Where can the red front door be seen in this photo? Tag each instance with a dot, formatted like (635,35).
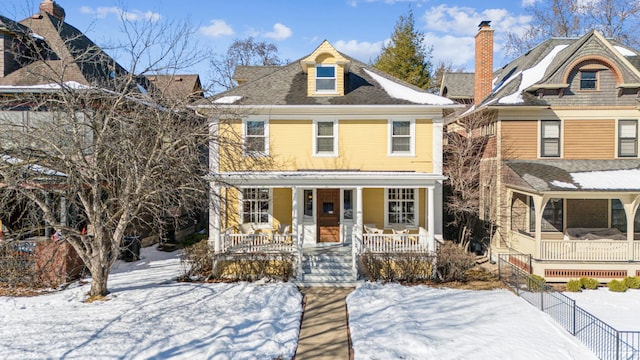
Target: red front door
(328,210)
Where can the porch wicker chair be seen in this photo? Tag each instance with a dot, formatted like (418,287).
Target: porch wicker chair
(372,229)
(247,228)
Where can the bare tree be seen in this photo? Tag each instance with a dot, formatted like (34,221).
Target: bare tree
(245,52)
(96,162)
(465,143)
(616,19)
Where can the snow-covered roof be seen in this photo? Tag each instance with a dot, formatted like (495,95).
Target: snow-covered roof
(403,92)
(32,167)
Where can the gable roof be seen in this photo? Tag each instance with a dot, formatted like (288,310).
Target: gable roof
(364,85)
(457,85)
(545,66)
(71,57)
(178,86)
(244,73)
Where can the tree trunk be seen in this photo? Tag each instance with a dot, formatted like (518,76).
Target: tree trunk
(99,276)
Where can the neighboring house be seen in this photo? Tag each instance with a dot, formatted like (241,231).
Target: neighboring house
(561,174)
(458,86)
(40,55)
(346,146)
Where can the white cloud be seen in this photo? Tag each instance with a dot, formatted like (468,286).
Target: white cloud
(102,12)
(457,51)
(354,3)
(217,28)
(280,32)
(525,3)
(363,51)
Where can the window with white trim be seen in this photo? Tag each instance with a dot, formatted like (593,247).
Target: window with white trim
(255,205)
(401,137)
(402,207)
(256,137)
(326,78)
(588,80)
(550,138)
(628,138)
(325,138)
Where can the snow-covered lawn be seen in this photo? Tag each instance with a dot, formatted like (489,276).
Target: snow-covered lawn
(419,322)
(619,310)
(149,315)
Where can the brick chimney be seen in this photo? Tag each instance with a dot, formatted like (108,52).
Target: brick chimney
(53,9)
(484,62)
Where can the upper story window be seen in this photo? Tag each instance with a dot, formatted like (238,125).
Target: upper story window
(255,205)
(256,137)
(326,135)
(628,138)
(401,137)
(588,80)
(402,207)
(550,138)
(325,78)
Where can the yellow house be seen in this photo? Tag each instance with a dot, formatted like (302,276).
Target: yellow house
(338,151)
(561,178)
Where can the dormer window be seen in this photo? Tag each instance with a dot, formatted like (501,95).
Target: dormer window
(588,80)
(325,78)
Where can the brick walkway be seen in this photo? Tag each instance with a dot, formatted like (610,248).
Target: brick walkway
(323,334)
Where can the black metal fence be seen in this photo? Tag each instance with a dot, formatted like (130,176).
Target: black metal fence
(604,340)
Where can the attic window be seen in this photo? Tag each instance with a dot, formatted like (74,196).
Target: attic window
(588,80)
(325,78)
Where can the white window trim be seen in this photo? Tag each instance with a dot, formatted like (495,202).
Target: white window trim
(269,224)
(416,206)
(335,151)
(561,140)
(335,78)
(266,137)
(306,219)
(617,145)
(412,139)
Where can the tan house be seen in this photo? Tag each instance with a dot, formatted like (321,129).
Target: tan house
(354,163)
(561,172)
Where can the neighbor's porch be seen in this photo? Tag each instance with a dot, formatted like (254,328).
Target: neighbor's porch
(575,234)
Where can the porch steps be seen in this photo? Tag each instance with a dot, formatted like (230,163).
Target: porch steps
(327,266)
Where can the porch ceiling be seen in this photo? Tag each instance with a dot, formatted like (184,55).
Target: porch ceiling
(328,179)
(541,176)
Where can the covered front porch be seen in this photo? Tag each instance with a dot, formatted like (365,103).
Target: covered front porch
(284,211)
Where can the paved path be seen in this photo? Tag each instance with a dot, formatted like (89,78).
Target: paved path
(323,334)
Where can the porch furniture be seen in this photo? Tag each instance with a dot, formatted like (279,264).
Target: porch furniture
(247,228)
(594,234)
(372,229)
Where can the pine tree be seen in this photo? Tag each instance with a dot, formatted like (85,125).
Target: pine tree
(406,56)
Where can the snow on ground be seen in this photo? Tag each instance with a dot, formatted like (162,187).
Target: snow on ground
(149,315)
(399,322)
(619,310)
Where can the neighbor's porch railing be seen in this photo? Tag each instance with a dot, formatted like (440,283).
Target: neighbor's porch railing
(585,250)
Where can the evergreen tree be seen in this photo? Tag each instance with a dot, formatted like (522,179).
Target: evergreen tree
(406,57)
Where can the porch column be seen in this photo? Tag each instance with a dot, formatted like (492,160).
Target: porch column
(359,216)
(539,203)
(294,213)
(214,218)
(430,220)
(630,213)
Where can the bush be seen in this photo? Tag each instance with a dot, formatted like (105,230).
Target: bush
(536,283)
(453,261)
(617,286)
(632,282)
(589,283)
(405,267)
(196,260)
(574,285)
(254,266)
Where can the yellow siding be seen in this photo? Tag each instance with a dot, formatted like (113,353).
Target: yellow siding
(281,207)
(520,139)
(373,206)
(589,139)
(325,54)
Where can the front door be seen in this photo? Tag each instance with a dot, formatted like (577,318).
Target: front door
(328,215)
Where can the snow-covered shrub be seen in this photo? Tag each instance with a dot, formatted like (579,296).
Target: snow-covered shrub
(617,286)
(574,285)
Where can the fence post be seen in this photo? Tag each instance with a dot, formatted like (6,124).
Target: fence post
(617,344)
(574,318)
(530,265)
(541,298)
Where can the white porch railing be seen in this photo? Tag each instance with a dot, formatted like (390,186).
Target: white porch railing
(636,250)
(394,243)
(259,243)
(585,250)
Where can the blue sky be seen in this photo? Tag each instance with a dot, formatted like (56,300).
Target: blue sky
(358,28)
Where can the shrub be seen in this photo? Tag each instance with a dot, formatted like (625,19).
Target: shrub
(574,285)
(254,266)
(589,283)
(405,267)
(196,260)
(453,261)
(632,282)
(617,286)
(536,283)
